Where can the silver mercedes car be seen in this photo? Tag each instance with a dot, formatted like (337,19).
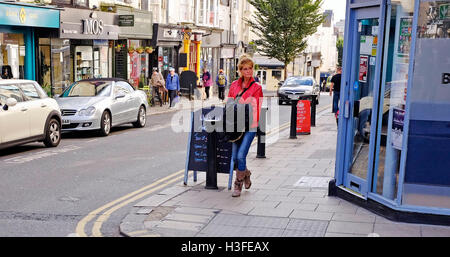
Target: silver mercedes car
(100,104)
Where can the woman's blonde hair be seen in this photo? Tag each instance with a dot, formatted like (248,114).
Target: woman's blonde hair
(245,60)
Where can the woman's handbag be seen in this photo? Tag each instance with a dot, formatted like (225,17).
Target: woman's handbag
(233,128)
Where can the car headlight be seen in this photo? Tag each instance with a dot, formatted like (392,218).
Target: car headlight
(87,112)
(307,92)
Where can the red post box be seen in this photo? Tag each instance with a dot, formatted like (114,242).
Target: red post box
(303,117)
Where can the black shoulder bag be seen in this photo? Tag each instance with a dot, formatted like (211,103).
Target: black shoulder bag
(239,118)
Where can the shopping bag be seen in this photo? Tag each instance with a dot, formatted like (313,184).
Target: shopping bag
(176,99)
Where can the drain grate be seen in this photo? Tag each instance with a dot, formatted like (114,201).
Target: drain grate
(316,182)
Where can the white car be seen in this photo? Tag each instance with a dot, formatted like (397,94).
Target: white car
(27,114)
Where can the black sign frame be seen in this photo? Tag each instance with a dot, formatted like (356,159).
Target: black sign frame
(196,159)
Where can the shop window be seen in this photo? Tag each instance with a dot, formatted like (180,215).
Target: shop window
(138,64)
(83,62)
(427,180)
(392,106)
(45,79)
(276,74)
(12,55)
(61,65)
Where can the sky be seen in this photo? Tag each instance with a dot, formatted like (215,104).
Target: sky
(338,7)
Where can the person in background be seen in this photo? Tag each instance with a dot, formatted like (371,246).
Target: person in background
(173,85)
(158,84)
(253,95)
(6,72)
(206,78)
(221,82)
(335,88)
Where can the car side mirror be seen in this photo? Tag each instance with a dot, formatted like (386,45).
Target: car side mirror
(120,95)
(11,102)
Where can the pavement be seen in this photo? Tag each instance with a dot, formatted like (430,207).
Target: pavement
(288,198)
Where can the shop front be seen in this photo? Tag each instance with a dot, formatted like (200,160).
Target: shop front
(394,112)
(18,25)
(227,61)
(133,62)
(167,41)
(84,48)
(210,54)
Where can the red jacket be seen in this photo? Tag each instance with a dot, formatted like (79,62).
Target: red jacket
(252,96)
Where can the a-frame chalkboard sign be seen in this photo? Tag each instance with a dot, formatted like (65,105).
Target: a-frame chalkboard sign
(197,159)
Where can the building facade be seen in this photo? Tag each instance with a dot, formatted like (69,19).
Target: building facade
(394,119)
(21,25)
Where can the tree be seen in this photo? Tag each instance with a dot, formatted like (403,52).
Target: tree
(283,27)
(340,50)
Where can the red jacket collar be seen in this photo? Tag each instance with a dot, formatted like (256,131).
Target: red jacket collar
(241,80)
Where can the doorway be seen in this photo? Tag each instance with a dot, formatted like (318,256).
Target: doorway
(360,98)
(262,76)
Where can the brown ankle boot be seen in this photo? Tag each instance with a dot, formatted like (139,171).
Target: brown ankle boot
(238,183)
(247,181)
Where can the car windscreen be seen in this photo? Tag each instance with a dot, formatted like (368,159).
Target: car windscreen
(88,89)
(292,82)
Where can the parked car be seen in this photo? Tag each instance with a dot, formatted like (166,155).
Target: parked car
(27,114)
(100,104)
(301,86)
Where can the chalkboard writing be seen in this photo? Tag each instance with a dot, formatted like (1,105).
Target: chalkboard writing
(121,61)
(197,155)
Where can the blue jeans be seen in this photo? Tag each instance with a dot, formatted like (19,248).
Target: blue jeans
(241,148)
(336,96)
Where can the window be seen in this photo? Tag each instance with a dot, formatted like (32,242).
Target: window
(88,89)
(12,55)
(78,3)
(30,92)
(395,77)
(144,5)
(276,74)
(10,91)
(123,86)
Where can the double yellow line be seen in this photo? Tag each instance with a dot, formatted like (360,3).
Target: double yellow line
(113,206)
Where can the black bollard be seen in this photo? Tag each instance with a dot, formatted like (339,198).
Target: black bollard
(261,148)
(211,173)
(313,110)
(293,134)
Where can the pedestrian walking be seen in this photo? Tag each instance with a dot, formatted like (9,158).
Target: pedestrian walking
(221,82)
(206,78)
(335,88)
(250,92)
(158,84)
(172,85)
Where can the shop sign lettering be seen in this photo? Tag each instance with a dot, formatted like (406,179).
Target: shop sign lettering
(92,26)
(445,78)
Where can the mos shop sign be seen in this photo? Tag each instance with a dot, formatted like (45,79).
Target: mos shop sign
(93,25)
(87,24)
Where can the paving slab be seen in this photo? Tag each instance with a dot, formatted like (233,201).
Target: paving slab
(350,227)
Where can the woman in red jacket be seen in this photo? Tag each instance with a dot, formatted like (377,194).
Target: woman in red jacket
(253,95)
